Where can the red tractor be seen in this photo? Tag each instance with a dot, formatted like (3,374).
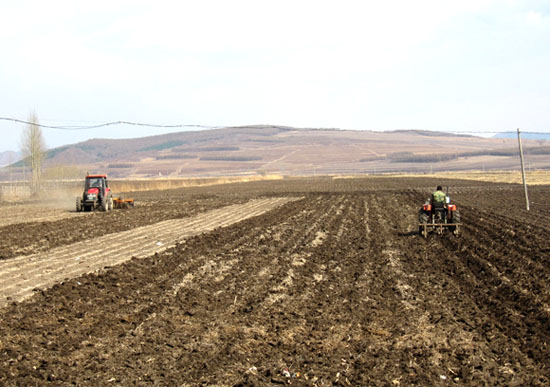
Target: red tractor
(438,216)
(97,195)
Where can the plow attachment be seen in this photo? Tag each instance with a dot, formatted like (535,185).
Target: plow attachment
(123,203)
(439,228)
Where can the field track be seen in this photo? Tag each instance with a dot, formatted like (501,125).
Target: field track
(14,214)
(332,286)
(21,276)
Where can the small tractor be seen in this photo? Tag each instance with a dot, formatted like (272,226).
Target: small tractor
(438,217)
(97,195)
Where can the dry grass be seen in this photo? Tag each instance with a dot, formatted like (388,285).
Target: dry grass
(512,177)
(69,189)
(135,185)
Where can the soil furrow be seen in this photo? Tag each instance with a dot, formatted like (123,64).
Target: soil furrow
(19,279)
(335,289)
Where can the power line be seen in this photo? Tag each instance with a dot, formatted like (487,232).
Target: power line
(112,123)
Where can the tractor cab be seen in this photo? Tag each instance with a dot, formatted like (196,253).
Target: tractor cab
(96,184)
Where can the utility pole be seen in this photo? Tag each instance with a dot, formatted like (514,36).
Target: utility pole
(523,172)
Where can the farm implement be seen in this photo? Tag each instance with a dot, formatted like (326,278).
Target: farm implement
(438,217)
(123,203)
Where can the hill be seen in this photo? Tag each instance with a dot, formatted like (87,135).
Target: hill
(267,149)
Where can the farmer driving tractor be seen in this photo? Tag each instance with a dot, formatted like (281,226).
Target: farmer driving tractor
(439,198)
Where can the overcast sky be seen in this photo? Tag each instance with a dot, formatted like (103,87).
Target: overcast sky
(441,65)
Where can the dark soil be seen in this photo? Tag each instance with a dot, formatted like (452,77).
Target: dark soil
(151,207)
(333,289)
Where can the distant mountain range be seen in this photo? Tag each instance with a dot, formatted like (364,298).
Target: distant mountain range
(524,135)
(267,149)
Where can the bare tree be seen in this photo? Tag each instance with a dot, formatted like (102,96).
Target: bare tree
(33,150)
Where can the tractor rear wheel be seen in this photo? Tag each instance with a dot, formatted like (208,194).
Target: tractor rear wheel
(78,204)
(456,220)
(103,204)
(423,217)
(456,217)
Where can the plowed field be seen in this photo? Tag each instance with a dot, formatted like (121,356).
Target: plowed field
(315,282)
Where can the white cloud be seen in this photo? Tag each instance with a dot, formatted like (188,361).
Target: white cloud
(353,64)
(533,17)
